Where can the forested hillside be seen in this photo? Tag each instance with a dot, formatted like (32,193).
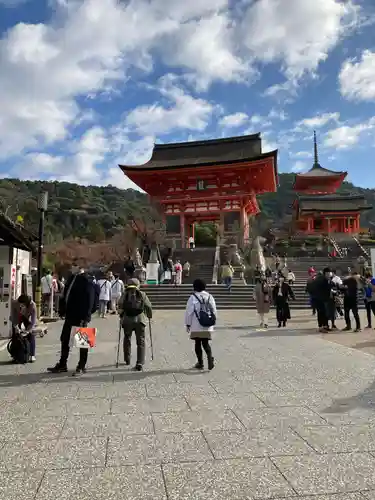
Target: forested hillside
(96,213)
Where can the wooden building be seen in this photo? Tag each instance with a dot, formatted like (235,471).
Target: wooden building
(319,209)
(214,180)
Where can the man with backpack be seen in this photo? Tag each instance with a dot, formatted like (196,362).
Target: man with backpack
(200,319)
(79,302)
(135,311)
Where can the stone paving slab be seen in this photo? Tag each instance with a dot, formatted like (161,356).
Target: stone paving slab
(284,414)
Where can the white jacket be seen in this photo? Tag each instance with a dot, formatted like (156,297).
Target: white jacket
(105,290)
(117,287)
(194,305)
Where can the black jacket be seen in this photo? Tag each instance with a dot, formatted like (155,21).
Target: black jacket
(321,288)
(78,301)
(351,288)
(286,292)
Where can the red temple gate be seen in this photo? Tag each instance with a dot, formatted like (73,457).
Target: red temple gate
(215,180)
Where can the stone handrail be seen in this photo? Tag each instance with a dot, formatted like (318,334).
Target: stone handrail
(215,273)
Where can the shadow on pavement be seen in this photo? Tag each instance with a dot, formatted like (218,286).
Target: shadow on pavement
(280,332)
(365,399)
(105,375)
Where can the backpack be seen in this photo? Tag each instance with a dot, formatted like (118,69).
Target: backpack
(134,303)
(19,348)
(206,316)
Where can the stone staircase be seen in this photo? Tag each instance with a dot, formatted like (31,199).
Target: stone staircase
(241,296)
(201,263)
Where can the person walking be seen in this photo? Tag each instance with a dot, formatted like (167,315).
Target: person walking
(291,277)
(200,318)
(262,294)
(186,269)
(105,287)
(321,292)
(117,289)
(351,287)
(135,310)
(178,271)
(227,272)
(370,298)
(77,305)
(281,293)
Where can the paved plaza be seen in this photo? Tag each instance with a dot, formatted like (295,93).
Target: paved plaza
(284,414)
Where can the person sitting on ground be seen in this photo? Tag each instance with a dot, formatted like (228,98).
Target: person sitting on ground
(24,314)
(200,318)
(135,310)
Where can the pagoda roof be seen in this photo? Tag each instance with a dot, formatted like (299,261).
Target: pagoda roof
(317,171)
(203,153)
(332,203)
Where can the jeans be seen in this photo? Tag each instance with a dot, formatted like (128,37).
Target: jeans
(370,308)
(139,330)
(350,304)
(31,339)
(102,307)
(228,282)
(205,343)
(65,346)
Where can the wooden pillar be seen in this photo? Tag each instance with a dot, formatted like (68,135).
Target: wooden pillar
(328,225)
(221,227)
(182,230)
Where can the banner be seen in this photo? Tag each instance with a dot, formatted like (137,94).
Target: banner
(84,337)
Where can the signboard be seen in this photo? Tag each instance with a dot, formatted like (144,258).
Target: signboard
(372,252)
(13,275)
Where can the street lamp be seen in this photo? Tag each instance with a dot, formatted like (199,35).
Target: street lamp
(42,207)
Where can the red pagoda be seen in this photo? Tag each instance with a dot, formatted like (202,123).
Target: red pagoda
(319,209)
(214,180)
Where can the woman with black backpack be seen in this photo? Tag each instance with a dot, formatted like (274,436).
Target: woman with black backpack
(200,319)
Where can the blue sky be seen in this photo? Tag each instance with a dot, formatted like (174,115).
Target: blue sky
(88,84)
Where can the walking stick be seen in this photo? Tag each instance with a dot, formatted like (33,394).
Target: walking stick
(152,346)
(118,344)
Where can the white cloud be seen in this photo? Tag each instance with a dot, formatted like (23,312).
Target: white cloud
(206,47)
(302,154)
(357,78)
(268,145)
(298,34)
(298,167)
(185,112)
(346,136)
(234,120)
(319,121)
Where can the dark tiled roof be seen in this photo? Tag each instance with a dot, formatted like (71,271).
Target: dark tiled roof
(332,203)
(13,234)
(214,151)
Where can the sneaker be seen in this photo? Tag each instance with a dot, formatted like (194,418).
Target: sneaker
(32,359)
(57,369)
(199,366)
(211,363)
(279,325)
(368,327)
(127,362)
(357,330)
(266,326)
(334,327)
(347,329)
(261,325)
(78,371)
(138,368)
(284,323)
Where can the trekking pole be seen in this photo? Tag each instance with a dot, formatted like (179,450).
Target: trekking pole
(118,344)
(151,343)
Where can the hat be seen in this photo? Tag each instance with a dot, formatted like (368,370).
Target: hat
(133,282)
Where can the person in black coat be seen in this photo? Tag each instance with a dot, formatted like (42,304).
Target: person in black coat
(321,291)
(77,305)
(281,293)
(351,287)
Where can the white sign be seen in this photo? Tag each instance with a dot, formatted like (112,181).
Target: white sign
(372,252)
